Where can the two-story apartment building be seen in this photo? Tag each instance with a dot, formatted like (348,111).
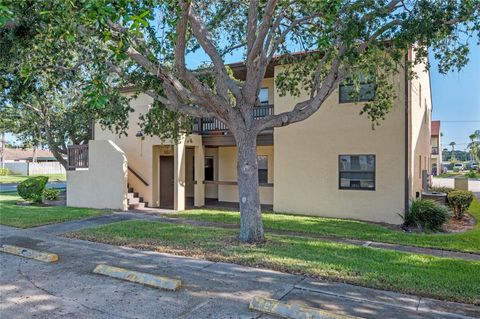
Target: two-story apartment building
(436,144)
(332,164)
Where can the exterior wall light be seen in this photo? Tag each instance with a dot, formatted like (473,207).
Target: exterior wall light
(140,135)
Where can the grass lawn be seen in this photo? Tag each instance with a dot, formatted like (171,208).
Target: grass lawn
(429,276)
(330,227)
(18,178)
(454,174)
(31,216)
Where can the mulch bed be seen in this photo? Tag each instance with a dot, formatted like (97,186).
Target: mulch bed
(460,226)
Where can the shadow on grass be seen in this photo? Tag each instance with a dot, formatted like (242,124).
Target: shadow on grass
(429,276)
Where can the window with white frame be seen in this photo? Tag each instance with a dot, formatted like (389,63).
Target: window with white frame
(263,96)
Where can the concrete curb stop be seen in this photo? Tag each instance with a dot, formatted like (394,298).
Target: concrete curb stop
(138,277)
(29,253)
(291,311)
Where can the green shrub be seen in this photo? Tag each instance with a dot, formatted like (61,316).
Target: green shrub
(50,194)
(426,214)
(441,189)
(4,172)
(32,188)
(459,201)
(471,174)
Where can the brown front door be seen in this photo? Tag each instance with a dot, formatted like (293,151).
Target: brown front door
(166,182)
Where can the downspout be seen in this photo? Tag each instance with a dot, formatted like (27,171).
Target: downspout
(406,134)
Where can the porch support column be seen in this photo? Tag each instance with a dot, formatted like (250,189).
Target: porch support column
(199,187)
(179,175)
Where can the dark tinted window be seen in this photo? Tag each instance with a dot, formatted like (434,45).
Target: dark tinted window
(209,175)
(347,92)
(357,172)
(262,161)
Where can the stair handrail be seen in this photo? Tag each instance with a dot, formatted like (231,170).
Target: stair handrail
(137,176)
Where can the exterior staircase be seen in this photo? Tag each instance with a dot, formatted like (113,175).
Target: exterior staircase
(135,201)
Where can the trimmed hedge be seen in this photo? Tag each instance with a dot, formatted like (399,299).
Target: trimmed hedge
(459,201)
(4,172)
(51,194)
(441,189)
(426,214)
(32,188)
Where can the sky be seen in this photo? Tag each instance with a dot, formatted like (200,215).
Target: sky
(456,97)
(456,100)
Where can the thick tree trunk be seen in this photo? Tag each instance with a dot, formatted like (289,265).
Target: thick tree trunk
(251,227)
(56,153)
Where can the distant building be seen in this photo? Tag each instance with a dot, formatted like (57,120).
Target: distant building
(28,155)
(436,156)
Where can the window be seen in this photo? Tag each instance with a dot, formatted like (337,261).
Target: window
(366,92)
(357,172)
(209,175)
(262,161)
(263,96)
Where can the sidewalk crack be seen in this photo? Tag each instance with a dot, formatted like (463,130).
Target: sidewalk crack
(418,305)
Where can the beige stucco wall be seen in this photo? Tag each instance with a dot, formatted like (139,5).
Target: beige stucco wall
(227,172)
(104,183)
(143,154)
(306,160)
(139,152)
(189,170)
(420,126)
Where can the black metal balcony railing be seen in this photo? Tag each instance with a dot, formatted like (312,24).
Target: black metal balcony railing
(434,150)
(208,125)
(77,156)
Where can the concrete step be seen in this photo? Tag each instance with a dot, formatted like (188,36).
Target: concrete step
(136,206)
(133,195)
(133,200)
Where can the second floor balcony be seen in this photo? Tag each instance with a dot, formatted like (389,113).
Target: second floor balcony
(210,125)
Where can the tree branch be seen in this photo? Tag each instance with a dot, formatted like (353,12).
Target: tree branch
(204,37)
(305,109)
(173,104)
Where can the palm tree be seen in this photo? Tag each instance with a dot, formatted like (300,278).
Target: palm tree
(452,144)
(474,145)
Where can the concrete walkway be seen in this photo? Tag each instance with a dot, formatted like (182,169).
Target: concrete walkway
(121,216)
(68,289)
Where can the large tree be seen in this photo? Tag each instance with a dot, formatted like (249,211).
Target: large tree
(50,95)
(150,41)
(474,145)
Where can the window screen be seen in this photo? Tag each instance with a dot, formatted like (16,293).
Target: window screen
(347,92)
(357,172)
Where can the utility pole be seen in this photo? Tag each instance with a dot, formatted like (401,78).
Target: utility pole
(2,150)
